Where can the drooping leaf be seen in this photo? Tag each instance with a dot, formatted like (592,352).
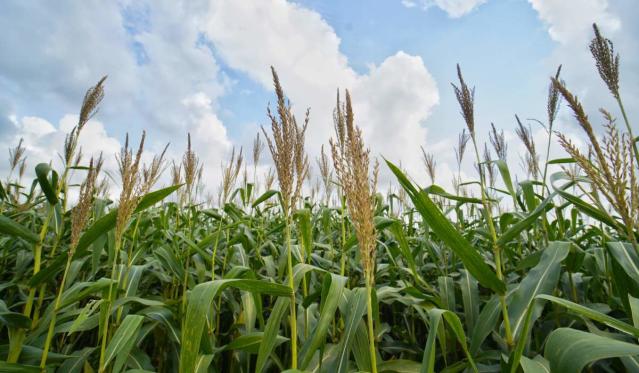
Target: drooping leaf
(11,228)
(49,189)
(570,350)
(120,342)
(542,279)
(473,262)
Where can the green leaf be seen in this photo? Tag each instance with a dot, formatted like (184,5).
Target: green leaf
(502,166)
(542,279)
(627,258)
(119,344)
(593,315)
(536,365)
(485,324)
(42,172)
(634,307)
(470,299)
(269,339)
(265,196)
(355,310)
(96,230)
(399,366)
(435,317)
(18,368)
(203,362)
(251,342)
(11,228)
(327,314)
(303,217)
(447,292)
(76,362)
(199,304)
(473,262)
(526,222)
(561,161)
(585,207)
(439,191)
(518,351)
(15,320)
(569,350)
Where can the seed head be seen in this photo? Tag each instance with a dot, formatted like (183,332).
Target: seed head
(230,172)
(489,166)
(430,164)
(258,148)
(129,167)
(462,141)
(16,154)
(190,164)
(326,174)
(498,141)
(554,101)
(90,104)
(152,172)
(287,148)
(351,162)
(531,159)
(466,99)
(80,214)
(607,61)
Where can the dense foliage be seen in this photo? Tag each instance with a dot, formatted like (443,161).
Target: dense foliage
(496,275)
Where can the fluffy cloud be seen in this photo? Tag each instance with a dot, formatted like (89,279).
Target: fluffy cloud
(165,78)
(454,8)
(44,142)
(162,76)
(391,101)
(571,21)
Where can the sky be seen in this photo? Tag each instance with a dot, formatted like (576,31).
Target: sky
(203,67)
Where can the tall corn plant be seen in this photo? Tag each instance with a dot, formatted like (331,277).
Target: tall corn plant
(291,163)
(352,164)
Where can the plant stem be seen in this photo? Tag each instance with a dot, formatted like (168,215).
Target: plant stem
(56,308)
(291,284)
(625,119)
(15,347)
(343,256)
(496,248)
(371,332)
(105,329)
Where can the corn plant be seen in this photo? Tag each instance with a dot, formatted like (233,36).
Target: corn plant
(501,272)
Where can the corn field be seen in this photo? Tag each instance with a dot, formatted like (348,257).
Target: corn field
(493,275)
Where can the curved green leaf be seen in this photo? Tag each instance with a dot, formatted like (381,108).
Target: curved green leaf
(570,350)
(448,233)
(42,172)
(593,315)
(435,316)
(11,228)
(265,196)
(200,301)
(542,279)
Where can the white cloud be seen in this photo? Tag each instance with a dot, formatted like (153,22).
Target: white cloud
(569,23)
(208,134)
(454,8)
(571,20)
(391,101)
(44,142)
(162,77)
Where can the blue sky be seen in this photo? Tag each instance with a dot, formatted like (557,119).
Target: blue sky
(203,67)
